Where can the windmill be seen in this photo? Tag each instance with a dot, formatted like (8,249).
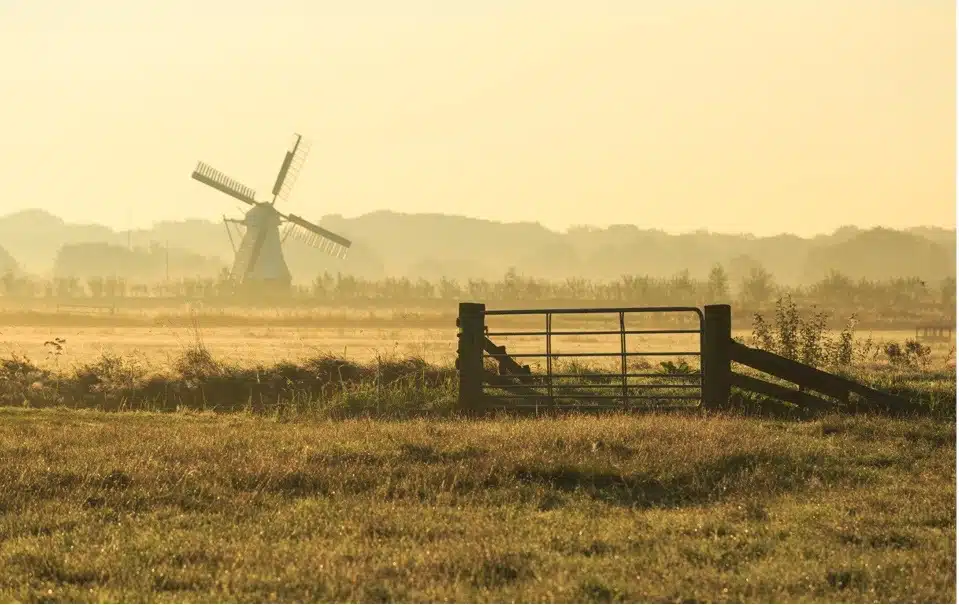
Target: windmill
(259,257)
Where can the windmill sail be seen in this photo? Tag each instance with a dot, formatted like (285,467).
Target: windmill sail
(316,236)
(290,169)
(214,178)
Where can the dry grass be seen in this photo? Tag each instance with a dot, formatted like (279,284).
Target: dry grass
(185,507)
(403,501)
(158,345)
(328,386)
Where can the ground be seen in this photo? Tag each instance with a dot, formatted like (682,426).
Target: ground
(199,507)
(407,502)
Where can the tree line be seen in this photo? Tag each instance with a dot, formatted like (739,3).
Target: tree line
(757,290)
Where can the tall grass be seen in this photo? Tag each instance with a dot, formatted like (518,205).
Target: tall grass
(328,386)
(392,387)
(323,386)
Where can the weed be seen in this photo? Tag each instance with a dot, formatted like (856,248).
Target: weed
(680,366)
(913,354)
(807,339)
(788,324)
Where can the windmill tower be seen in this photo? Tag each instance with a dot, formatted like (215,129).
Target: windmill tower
(259,258)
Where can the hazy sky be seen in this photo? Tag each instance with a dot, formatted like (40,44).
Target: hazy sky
(729,115)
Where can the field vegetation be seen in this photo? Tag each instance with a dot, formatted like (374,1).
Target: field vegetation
(201,507)
(389,383)
(892,304)
(203,478)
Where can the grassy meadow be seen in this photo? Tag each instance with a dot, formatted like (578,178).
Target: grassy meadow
(202,507)
(190,461)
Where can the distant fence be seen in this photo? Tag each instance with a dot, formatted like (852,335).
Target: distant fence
(937,331)
(490,377)
(111,309)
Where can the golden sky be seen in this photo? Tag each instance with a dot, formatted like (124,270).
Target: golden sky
(729,115)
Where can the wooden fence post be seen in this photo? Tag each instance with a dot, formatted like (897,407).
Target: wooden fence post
(717,373)
(469,355)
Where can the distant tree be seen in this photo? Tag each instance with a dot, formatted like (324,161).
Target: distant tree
(682,287)
(947,292)
(757,287)
(834,288)
(9,281)
(323,286)
(95,284)
(740,267)
(449,289)
(718,283)
(577,288)
(511,285)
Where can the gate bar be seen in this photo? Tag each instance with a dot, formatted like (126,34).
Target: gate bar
(622,342)
(606,397)
(645,375)
(631,354)
(594,385)
(595,310)
(549,356)
(592,333)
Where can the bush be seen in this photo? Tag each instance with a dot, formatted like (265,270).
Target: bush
(912,355)
(805,339)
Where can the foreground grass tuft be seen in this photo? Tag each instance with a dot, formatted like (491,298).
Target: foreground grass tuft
(204,507)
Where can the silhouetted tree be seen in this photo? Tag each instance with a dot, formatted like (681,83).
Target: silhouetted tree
(947,293)
(758,287)
(718,284)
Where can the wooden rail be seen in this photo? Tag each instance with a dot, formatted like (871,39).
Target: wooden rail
(721,351)
(805,377)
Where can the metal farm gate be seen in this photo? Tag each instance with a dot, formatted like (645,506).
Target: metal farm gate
(571,376)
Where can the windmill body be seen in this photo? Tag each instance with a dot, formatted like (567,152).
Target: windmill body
(259,257)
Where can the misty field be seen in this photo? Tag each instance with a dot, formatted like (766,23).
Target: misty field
(272,337)
(305,463)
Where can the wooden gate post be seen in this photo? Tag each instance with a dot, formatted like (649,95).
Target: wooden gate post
(469,355)
(717,341)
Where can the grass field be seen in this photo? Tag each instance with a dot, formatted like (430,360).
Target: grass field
(201,507)
(349,477)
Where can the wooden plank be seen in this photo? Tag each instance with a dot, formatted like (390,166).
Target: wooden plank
(506,383)
(787,369)
(782,393)
(509,369)
(809,377)
(506,363)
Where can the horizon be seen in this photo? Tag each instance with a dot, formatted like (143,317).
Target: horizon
(740,116)
(155,224)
